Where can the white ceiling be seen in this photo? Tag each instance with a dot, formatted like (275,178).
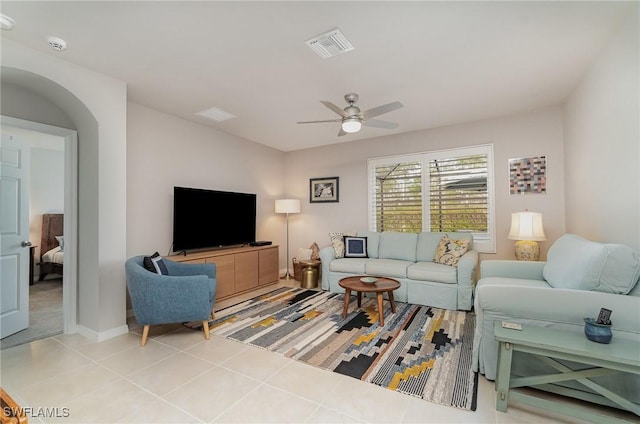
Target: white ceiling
(447,62)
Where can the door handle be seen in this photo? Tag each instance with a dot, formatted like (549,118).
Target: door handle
(26,244)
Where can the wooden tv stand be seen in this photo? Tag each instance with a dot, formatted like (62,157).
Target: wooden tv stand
(238,269)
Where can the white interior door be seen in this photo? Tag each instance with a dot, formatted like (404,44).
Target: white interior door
(14,236)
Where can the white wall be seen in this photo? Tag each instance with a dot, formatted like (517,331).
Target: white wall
(528,134)
(95,105)
(602,145)
(164,151)
(46,188)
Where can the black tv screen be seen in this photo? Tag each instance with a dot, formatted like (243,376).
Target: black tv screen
(210,218)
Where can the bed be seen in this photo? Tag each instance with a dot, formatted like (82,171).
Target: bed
(52,244)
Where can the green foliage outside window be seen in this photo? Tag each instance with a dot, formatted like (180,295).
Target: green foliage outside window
(457,195)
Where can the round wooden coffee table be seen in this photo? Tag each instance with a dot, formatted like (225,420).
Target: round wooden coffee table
(381,286)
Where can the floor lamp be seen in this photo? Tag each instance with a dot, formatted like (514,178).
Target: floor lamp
(288,206)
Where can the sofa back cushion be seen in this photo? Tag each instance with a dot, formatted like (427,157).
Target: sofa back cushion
(373,241)
(576,263)
(394,245)
(428,243)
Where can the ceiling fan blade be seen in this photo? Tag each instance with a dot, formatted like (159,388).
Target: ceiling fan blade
(380,124)
(376,111)
(335,108)
(317,122)
(341,132)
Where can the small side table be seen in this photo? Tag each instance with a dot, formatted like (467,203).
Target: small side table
(310,273)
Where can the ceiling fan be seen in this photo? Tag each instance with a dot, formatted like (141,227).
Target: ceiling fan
(352,118)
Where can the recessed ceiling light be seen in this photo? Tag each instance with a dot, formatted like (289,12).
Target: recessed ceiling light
(6,22)
(216,114)
(57,43)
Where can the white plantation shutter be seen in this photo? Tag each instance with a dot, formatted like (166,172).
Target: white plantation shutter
(458,199)
(448,190)
(398,197)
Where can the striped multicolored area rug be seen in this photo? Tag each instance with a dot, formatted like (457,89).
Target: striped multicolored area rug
(421,351)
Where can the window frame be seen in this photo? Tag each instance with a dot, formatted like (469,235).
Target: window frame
(482,242)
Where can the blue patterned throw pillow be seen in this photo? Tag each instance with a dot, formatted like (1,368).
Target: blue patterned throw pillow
(355,247)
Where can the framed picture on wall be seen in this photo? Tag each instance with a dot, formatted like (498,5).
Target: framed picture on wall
(324,190)
(528,175)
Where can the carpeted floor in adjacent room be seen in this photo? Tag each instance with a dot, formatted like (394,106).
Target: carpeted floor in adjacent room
(45,314)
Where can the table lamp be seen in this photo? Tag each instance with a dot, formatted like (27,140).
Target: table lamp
(287,206)
(526,227)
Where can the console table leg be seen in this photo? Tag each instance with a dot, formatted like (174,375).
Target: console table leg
(503,376)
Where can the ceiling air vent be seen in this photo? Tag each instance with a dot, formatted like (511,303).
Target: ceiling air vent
(330,44)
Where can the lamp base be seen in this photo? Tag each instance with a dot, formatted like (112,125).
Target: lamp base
(287,276)
(527,250)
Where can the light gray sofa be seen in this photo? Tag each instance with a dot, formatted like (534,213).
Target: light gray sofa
(408,257)
(579,278)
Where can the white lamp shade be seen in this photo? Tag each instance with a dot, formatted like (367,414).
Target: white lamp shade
(288,206)
(351,125)
(526,226)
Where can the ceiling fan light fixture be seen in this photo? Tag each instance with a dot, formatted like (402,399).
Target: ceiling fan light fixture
(6,22)
(351,125)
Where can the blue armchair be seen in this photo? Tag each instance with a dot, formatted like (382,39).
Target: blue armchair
(186,294)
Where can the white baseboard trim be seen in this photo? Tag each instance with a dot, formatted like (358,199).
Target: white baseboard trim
(98,337)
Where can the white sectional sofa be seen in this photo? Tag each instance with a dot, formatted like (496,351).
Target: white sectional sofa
(409,258)
(579,278)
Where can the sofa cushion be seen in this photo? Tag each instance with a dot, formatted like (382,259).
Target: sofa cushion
(373,241)
(576,263)
(430,271)
(450,251)
(428,243)
(337,241)
(388,267)
(355,247)
(350,265)
(395,245)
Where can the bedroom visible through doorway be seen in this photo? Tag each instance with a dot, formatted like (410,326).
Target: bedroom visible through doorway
(47,185)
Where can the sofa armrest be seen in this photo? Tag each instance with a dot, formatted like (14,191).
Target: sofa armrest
(467,277)
(468,269)
(327,254)
(528,270)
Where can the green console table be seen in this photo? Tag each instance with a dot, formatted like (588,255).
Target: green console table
(551,345)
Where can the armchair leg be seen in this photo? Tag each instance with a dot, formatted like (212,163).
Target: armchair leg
(205,327)
(145,334)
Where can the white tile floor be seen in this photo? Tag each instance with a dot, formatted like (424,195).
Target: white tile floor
(181,378)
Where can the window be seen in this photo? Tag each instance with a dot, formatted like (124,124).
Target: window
(448,190)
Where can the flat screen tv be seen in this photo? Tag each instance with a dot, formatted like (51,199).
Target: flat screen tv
(210,218)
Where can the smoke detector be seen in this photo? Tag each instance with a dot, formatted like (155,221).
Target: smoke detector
(56,43)
(330,44)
